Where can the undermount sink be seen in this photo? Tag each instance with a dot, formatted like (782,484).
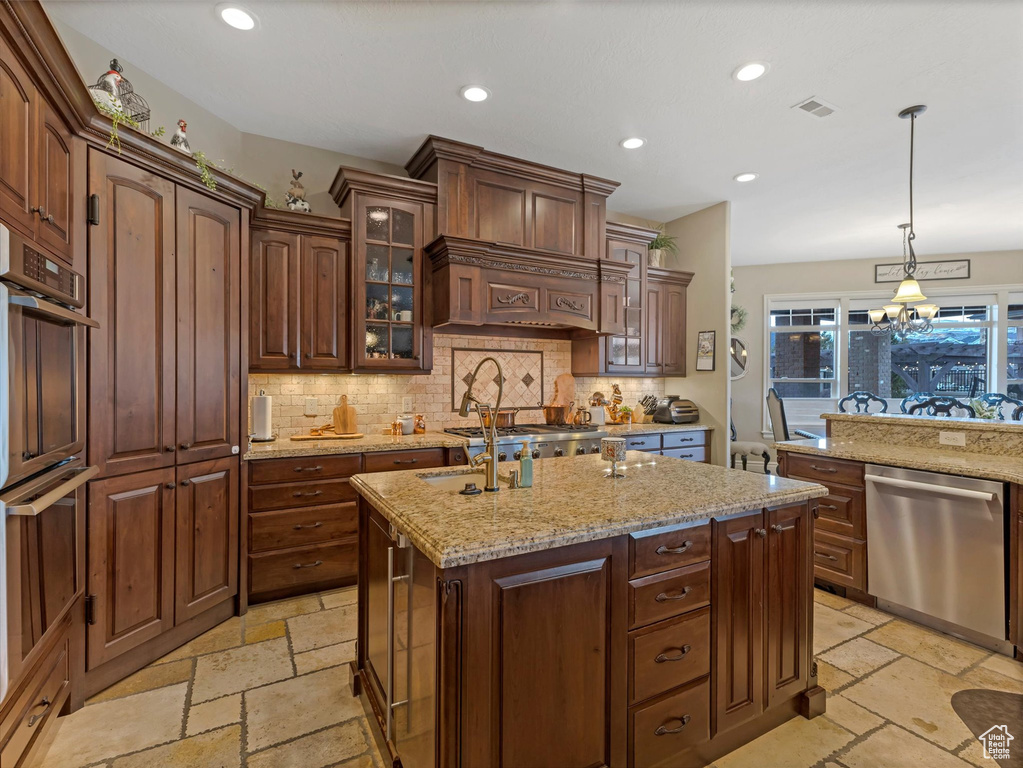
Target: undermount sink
(457,482)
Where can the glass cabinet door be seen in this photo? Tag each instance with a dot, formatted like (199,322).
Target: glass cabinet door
(389,312)
(624,352)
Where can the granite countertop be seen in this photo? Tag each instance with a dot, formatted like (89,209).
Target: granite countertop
(620,430)
(1006,469)
(570,502)
(986,425)
(284,448)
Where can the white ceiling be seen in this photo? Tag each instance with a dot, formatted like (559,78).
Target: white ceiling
(571,79)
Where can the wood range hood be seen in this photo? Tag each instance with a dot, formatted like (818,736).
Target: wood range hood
(518,245)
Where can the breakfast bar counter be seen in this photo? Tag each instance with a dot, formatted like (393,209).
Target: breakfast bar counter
(663,618)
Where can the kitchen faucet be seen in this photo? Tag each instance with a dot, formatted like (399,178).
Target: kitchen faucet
(489,455)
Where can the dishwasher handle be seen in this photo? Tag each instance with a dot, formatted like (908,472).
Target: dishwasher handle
(912,485)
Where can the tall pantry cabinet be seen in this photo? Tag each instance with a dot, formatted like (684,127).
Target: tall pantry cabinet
(164,417)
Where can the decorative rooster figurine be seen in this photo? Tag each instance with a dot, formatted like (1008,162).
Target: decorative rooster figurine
(107,90)
(179,141)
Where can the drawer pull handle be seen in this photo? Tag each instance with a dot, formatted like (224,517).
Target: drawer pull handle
(686,439)
(308,469)
(664,597)
(296,566)
(830,470)
(685,455)
(828,506)
(663,550)
(662,731)
(826,557)
(638,442)
(45,704)
(300,527)
(299,494)
(405,461)
(662,657)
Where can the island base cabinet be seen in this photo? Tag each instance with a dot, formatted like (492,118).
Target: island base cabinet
(529,661)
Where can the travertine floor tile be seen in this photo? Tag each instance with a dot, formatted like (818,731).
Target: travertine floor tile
(859,656)
(220,638)
(146,679)
(982,677)
(796,744)
(316,630)
(869,615)
(261,632)
(927,645)
(830,600)
(1003,665)
(917,697)
(216,749)
(829,678)
(281,609)
(851,716)
(119,726)
(894,747)
(214,714)
(316,750)
(328,656)
(831,627)
(974,754)
(239,669)
(295,707)
(339,597)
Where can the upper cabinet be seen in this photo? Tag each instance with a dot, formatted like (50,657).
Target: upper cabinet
(392,219)
(36,161)
(299,293)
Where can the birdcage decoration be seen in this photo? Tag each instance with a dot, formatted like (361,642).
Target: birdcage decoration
(131,103)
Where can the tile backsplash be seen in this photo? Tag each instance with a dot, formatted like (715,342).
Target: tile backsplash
(529,364)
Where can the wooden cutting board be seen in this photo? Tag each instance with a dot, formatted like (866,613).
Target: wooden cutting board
(345,419)
(564,390)
(329,436)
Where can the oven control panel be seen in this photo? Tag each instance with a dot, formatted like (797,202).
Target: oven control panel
(47,276)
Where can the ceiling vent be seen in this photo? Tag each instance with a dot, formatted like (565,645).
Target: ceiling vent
(816,107)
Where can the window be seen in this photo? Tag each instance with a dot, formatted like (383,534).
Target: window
(1014,352)
(802,350)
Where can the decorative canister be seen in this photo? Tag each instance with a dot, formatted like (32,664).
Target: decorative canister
(419,427)
(613,449)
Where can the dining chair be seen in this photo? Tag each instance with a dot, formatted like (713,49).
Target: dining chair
(942,406)
(863,402)
(916,397)
(997,400)
(744,449)
(1017,415)
(779,424)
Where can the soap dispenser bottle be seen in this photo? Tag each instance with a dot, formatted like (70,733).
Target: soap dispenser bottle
(526,466)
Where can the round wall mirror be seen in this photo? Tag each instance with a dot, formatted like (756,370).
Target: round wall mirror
(739,354)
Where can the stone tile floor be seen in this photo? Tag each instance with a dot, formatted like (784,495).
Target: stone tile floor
(270,690)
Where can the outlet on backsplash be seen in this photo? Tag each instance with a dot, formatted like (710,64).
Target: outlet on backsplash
(406,404)
(311,406)
(952,438)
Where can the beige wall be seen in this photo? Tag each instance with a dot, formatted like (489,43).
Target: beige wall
(842,278)
(257,159)
(703,243)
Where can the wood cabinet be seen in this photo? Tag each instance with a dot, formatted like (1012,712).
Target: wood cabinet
(1016,569)
(36,161)
(392,220)
(299,293)
(669,320)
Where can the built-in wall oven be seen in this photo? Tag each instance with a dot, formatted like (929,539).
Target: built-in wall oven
(42,442)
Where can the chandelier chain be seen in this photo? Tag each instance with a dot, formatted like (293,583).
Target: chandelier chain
(911,262)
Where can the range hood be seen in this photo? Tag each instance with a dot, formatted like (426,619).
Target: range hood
(476,283)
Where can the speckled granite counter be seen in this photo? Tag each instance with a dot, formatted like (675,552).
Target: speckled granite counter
(285,448)
(571,501)
(620,430)
(1008,469)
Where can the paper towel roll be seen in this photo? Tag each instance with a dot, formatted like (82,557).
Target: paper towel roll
(262,426)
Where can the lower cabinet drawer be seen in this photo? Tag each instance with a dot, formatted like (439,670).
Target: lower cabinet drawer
(300,494)
(696,438)
(643,443)
(660,730)
(840,560)
(824,470)
(843,511)
(668,594)
(659,550)
(389,461)
(307,468)
(301,566)
(302,526)
(39,711)
(692,454)
(668,655)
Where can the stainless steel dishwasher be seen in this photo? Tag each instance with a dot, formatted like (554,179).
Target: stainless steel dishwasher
(936,551)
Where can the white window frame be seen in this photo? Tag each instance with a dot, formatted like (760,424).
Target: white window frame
(839,351)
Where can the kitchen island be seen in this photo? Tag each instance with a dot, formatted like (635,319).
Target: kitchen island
(664,618)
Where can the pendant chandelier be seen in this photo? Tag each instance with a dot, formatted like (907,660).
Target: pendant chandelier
(899,318)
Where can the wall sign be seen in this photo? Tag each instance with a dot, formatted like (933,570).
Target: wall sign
(925,270)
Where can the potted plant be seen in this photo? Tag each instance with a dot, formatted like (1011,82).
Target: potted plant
(663,243)
(626,414)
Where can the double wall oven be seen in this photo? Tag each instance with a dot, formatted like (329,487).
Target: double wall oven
(42,443)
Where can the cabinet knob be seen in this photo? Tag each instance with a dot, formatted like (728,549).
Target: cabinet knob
(186,482)
(761,532)
(185,446)
(170,486)
(308,356)
(777,528)
(169,448)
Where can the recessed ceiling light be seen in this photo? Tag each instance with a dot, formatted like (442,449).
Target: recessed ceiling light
(744,177)
(237,17)
(633,142)
(475,93)
(750,71)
